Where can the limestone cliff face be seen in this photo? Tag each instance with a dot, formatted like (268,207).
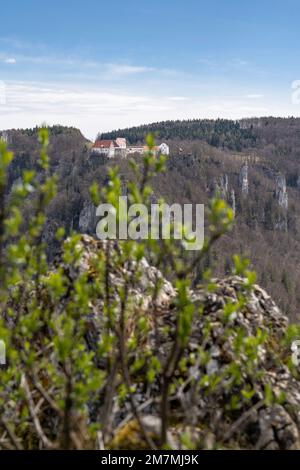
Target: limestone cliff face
(87,218)
(232,200)
(281,192)
(219,187)
(243,179)
(281,197)
(4,136)
(224,185)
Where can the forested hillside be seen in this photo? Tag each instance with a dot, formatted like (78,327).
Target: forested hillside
(223,133)
(219,133)
(253,164)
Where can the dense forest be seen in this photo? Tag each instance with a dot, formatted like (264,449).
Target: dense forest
(219,133)
(222,133)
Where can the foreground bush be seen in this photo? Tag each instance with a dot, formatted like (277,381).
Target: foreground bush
(104,352)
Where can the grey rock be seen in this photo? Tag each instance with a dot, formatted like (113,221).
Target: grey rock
(243,179)
(281,194)
(267,426)
(277,429)
(87,218)
(220,187)
(232,200)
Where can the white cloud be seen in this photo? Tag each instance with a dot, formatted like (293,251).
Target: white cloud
(229,65)
(51,60)
(254,96)
(177,98)
(61,62)
(21,44)
(10,60)
(94,109)
(28,104)
(125,69)
(109,69)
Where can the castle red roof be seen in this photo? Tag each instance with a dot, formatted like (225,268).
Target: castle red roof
(104,144)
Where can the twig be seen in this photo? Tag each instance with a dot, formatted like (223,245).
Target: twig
(12,436)
(68,404)
(130,415)
(46,395)
(240,421)
(100,440)
(121,332)
(46,442)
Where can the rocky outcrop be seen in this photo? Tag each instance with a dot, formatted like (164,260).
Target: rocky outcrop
(281,197)
(224,185)
(259,423)
(220,187)
(87,218)
(232,200)
(261,426)
(4,136)
(281,194)
(243,179)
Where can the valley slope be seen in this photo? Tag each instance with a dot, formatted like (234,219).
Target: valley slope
(253,164)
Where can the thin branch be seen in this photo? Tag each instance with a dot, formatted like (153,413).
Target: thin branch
(241,420)
(46,442)
(14,439)
(100,440)
(46,395)
(130,415)
(121,332)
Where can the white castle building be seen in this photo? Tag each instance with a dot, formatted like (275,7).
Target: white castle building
(118,147)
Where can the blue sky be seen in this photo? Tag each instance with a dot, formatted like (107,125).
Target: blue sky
(100,65)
